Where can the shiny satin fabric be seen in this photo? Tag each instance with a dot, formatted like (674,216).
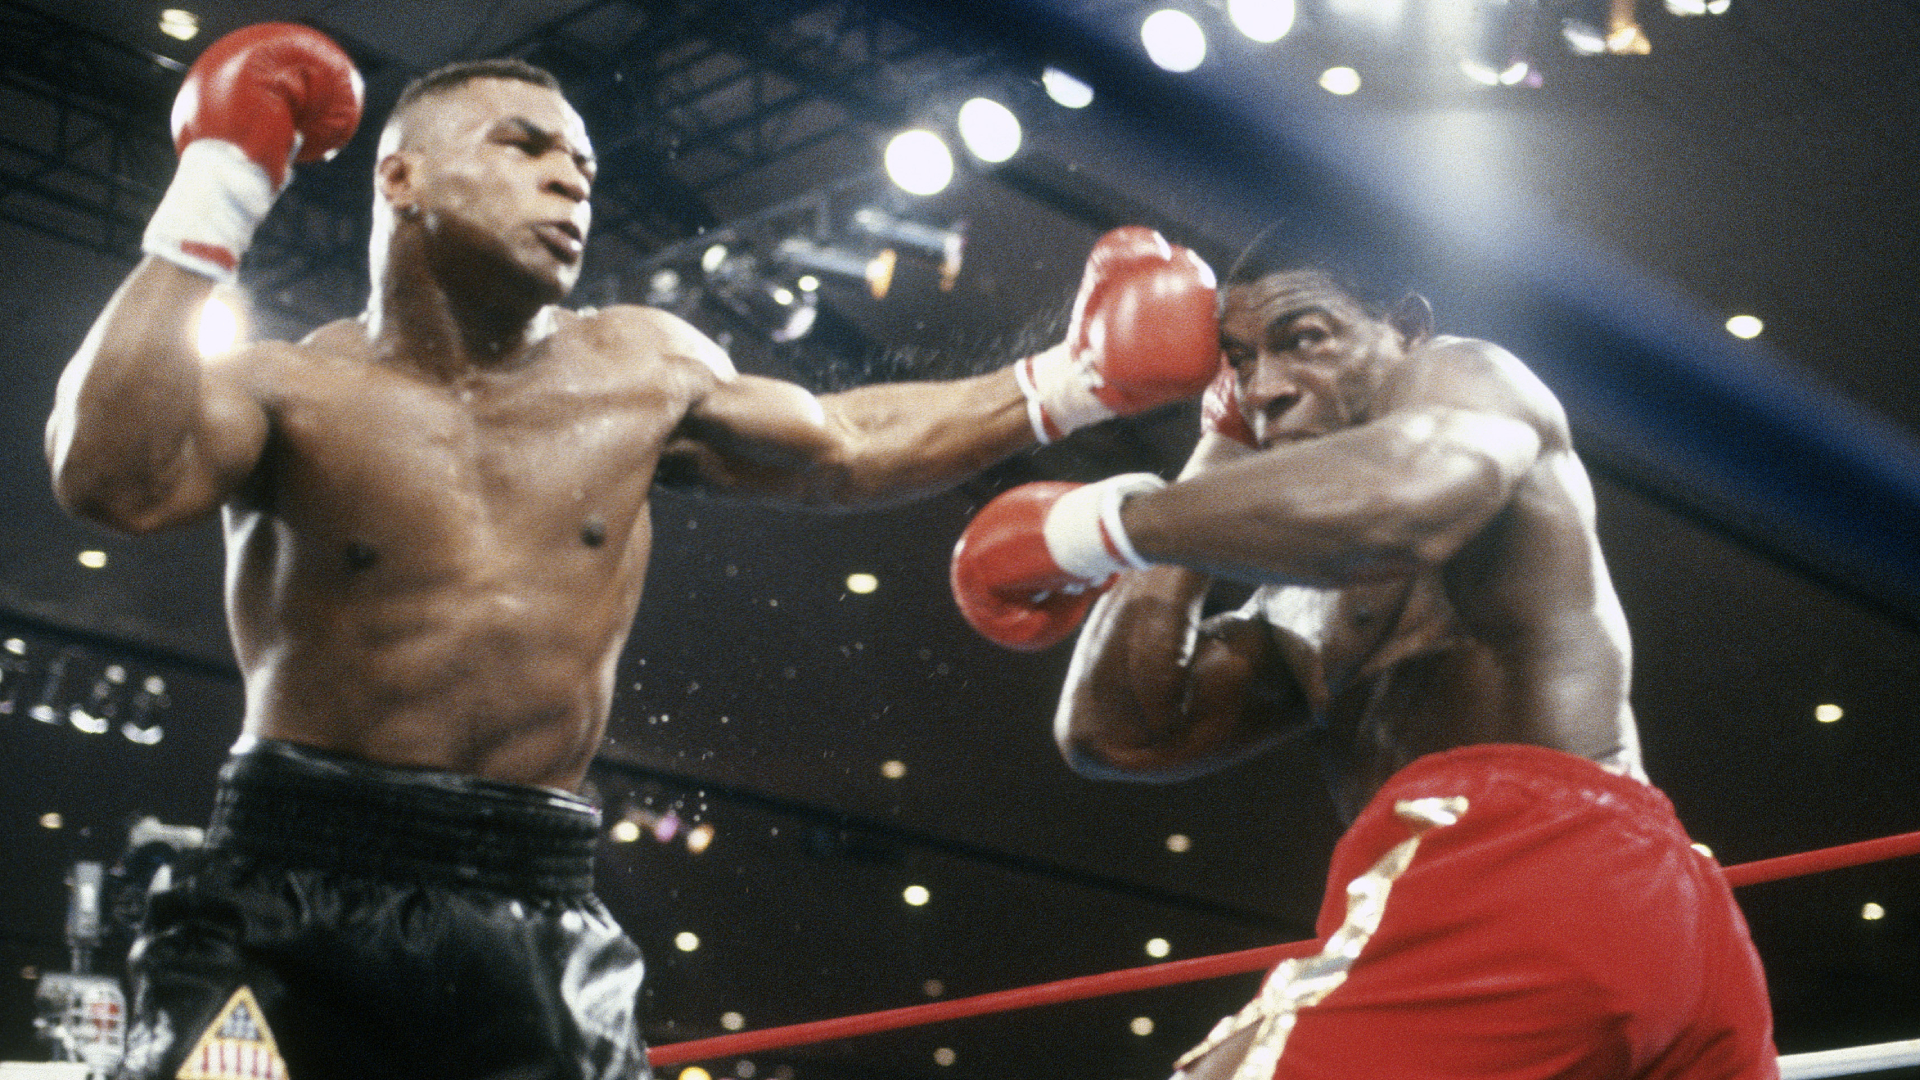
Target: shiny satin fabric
(348,920)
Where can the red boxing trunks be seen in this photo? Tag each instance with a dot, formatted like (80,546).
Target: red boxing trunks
(1512,912)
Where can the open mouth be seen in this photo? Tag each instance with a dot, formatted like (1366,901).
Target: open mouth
(563,238)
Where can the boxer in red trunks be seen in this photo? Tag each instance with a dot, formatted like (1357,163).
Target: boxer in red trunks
(1513,899)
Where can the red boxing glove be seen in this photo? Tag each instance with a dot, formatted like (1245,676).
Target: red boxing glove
(1143,333)
(256,101)
(1220,410)
(1033,560)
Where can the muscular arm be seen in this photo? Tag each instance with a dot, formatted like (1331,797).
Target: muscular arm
(1155,694)
(144,433)
(890,442)
(1406,490)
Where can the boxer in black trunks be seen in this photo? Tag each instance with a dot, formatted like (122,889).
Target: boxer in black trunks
(437,532)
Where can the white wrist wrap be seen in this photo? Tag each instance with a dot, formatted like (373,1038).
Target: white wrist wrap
(1083,530)
(1059,394)
(217,199)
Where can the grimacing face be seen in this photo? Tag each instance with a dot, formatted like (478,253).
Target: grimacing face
(1306,354)
(505,167)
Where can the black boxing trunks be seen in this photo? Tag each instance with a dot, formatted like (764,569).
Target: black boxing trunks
(351,920)
(1516,913)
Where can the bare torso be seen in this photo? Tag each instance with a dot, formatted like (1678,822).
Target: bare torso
(1517,638)
(442,573)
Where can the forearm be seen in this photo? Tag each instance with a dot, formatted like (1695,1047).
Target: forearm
(1366,504)
(904,440)
(1153,693)
(120,432)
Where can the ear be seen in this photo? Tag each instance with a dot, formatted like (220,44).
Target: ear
(394,178)
(1412,318)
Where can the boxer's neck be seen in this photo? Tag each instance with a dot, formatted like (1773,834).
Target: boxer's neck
(450,316)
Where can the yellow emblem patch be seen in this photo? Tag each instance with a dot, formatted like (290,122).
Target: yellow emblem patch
(236,1046)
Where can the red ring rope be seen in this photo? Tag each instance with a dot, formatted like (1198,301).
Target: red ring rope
(1178,971)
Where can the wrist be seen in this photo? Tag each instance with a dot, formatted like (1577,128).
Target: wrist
(208,216)
(1084,533)
(1060,393)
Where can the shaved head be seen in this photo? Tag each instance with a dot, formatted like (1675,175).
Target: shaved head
(400,131)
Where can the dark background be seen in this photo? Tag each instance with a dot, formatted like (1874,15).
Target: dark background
(1757,499)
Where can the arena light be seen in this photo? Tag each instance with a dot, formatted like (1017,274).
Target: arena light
(1872,912)
(876,270)
(1264,21)
(1141,1026)
(1179,843)
(1065,90)
(990,130)
(686,941)
(916,895)
(1828,713)
(945,247)
(893,769)
(945,1056)
(92,559)
(862,583)
(1158,948)
(1340,80)
(919,162)
(1174,41)
(179,24)
(1692,8)
(1745,327)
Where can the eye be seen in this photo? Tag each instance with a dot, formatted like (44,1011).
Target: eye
(1236,355)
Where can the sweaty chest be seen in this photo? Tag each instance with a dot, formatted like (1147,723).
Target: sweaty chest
(380,448)
(1338,639)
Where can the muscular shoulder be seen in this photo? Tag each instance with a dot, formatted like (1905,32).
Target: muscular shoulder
(631,331)
(1474,375)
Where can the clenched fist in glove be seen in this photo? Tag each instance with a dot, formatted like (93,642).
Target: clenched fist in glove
(1143,333)
(1033,560)
(255,102)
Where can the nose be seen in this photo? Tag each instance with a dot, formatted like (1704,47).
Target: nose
(567,180)
(1271,389)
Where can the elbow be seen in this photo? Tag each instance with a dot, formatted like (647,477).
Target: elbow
(123,507)
(1101,759)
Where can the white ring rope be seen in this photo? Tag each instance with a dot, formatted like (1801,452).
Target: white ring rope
(1851,1060)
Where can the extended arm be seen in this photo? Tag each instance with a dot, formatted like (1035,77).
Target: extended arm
(771,439)
(1142,334)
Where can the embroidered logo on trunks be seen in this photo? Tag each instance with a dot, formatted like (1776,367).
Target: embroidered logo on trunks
(1302,983)
(236,1046)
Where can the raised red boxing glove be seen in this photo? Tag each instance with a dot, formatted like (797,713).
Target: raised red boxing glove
(255,101)
(1143,333)
(1033,560)
(1220,410)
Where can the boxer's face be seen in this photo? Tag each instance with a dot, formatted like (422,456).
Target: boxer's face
(1306,354)
(505,166)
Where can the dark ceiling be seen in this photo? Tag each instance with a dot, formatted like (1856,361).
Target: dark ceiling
(1758,500)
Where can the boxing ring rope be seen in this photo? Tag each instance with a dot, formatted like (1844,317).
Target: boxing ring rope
(1793,1067)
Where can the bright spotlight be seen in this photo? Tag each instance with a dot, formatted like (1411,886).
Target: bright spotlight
(219,329)
(686,941)
(1828,713)
(179,25)
(1340,80)
(1065,90)
(919,162)
(862,583)
(991,131)
(1173,40)
(916,895)
(1265,21)
(1745,327)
